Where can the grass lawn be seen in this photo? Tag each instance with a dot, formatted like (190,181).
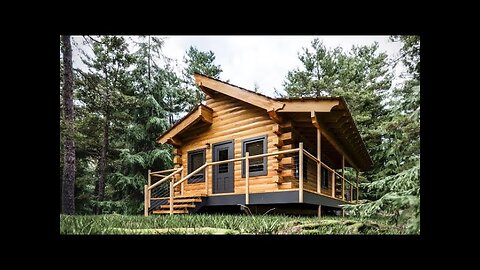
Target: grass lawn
(221,224)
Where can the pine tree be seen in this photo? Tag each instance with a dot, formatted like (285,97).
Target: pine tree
(397,185)
(361,76)
(197,61)
(149,119)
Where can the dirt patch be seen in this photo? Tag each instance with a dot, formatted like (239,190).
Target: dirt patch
(331,226)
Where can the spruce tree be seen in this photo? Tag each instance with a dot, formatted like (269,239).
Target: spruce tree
(197,61)
(106,94)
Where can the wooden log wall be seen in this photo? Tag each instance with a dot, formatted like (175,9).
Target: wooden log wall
(237,120)
(283,138)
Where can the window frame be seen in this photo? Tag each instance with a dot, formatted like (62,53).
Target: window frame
(323,185)
(263,172)
(190,169)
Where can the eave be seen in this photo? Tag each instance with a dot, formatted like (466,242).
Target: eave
(201,113)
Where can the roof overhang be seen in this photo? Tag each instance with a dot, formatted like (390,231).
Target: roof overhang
(201,113)
(341,122)
(211,86)
(309,105)
(332,114)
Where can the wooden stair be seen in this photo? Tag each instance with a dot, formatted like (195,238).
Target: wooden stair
(181,205)
(167,212)
(178,206)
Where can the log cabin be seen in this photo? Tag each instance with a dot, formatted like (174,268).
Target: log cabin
(242,149)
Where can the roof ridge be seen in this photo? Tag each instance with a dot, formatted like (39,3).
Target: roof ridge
(250,91)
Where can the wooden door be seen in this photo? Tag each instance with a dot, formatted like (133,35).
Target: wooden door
(223,173)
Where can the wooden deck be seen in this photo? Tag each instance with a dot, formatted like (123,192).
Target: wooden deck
(178,201)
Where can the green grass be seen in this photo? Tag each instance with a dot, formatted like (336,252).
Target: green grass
(221,224)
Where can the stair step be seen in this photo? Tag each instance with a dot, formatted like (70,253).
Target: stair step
(178,206)
(168,211)
(186,200)
(182,197)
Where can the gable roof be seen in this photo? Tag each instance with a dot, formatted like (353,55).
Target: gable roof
(200,113)
(210,85)
(336,120)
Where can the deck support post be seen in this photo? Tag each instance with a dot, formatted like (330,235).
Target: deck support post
(300,172)
(319,211)
(247,174)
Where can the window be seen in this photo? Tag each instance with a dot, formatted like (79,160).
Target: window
(195,160)
(255,146)
(223,155)
(324,178)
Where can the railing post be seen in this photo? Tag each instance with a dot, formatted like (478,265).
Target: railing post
(149,193)
(208,156)
(334,184)
(351,192)
(357,187)
(149,178)
(319,157)
(300,172)
(206,180)
(343,177)
(181,185)
(145,207)
(247,174)
(171,197)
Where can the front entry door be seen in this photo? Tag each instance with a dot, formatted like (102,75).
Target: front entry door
(223,173)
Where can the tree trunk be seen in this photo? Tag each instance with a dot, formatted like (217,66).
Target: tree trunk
(103,165)
(68,199)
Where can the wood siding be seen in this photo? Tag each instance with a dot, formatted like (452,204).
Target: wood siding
(232,120)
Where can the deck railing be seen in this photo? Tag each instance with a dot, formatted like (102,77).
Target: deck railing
(352,186)
(300,150)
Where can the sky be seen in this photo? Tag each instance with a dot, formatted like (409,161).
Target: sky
(262,60)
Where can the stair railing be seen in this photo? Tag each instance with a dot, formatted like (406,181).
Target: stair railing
(148,188)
